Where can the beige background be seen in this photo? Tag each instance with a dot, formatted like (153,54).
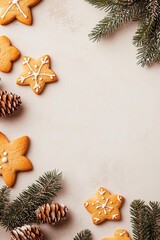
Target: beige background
(100,124)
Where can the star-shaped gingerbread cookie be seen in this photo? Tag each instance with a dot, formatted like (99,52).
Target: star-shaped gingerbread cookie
(8,54)
(104,206)
(12,158)
(120,234)
(36,73)
(16,9)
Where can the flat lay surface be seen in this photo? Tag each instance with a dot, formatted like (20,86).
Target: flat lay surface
(99,123)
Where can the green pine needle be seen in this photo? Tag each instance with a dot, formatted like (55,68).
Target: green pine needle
(22,210)
(154,213)
(120,12)
(145,220)
(83,235)
(4,200)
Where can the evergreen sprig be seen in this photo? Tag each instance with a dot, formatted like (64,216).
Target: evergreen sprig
(120,12)
(22,210)
(4,200)
(145,220)
(83,235)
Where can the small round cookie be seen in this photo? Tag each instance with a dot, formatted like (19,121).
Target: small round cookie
(8,54)
(104,206)
(36,73)
(16,9)
(12,159)
(120,234)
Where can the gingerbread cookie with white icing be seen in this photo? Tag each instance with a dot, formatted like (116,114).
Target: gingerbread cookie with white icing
(120,234)
(36,73)
(104,206)
(13,159)
(16,9)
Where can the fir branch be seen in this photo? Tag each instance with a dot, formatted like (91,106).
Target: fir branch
(102,4)
(145,220)
(148,25)
(22,210)
(83,235)
(4,200)
(138,219)
(118,16)
(120,12)
(154,216)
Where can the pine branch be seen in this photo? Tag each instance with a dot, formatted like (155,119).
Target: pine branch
(120,12)
(138,219)
(102,4)
(143,32)
(147,26)
(154,216)
(4,200)
(83,235)
(118,16)
(145,220)
(22,210)
(149,51)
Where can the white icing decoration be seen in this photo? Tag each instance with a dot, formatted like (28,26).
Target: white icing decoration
(36,87)
(111,202)
(96,220)
(114,216)
(35,66)
(0,167)
(103,198)
(12,3)
(4,159)
(99,213)
(36,75)
(104,206)
(102,192)
(119,198)
(86,204)
(5,153)
(121,234)
(93,204)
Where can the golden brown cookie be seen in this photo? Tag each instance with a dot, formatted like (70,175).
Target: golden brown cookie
(16,9)
(104,206)
(8,54)
(12,159)
(36,73)
(120,234)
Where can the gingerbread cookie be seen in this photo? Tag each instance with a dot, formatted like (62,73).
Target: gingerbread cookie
(12,159)
(104,206)
(8,54)
(36,73)
(120,234)
(16,9)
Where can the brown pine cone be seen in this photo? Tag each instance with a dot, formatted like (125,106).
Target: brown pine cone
(9,103)
(51,213)
(27,232)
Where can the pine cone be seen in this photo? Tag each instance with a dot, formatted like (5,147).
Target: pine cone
(27,232)
(51,213)
(9,102)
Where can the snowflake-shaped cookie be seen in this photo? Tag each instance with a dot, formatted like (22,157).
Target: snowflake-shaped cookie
(104,206)
(16,9)
(36,73)
(120,234)
(8,54)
